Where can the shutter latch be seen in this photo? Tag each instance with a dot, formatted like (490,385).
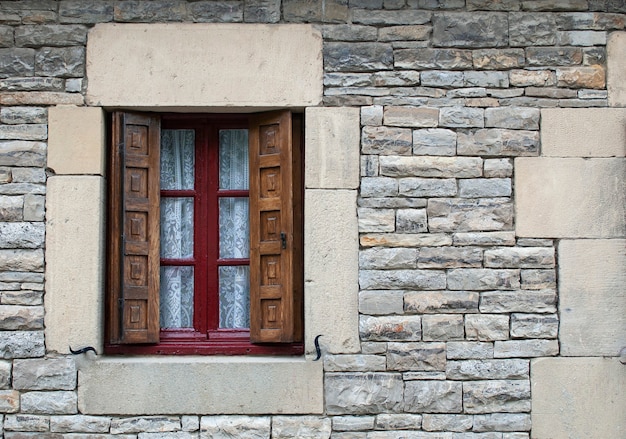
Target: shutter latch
(283,239)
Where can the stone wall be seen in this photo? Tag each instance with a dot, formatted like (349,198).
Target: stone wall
(459,275)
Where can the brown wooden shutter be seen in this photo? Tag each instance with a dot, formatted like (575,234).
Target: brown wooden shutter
(134,193)
(275,230)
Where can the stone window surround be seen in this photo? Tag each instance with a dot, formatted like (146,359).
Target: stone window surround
(75,232)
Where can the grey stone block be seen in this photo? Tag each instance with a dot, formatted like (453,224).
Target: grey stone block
(433,59)
(400,421)
(460,215)
(284,427)
(497,395)
(50,35)
(17,62)
(433,397)
(534,325)
(461,117)
(22,235)
(512,118)
(487,369)
(487,327)
(85,11)
(354,363)
(49,403)
(357,57)
(390,328)
(387,258)
(525,348)
(524,301)
(363,393)
(442,327)
(44,374)
(427,187)
(416,356)
(411,221)
(498,142)
(381,302)
(65,62)
(386,141)
(463,350)
(457,423)
(520,257)
(402,279)
(438,167)
(24,422)
(21,318)
(477,29)
(80,424)
(145,424)
(528,29)
(481,279)
(431,302)
(485,187)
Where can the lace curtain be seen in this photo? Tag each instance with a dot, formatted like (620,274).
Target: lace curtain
(177,283)
(234,281)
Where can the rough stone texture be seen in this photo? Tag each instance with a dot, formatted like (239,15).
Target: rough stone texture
(527,301)
(224,427)
(432,58)
(554,199)
(398,422)
(592,297)
(442,327)
(482,279)
(22,153)
(385,140)
(408,279)
(80,423)
(498,58)
(488,369)
(485,188)
(382,258)
(23,422)
(485,327)
(428,302)
(427,187)
(435,141)
(463,350)
(442,167)
(390,328)
(532,29)
(581,77)
(525,348)
(583,132)
(21,318)
(478,29)
(416,356)
(534,326)
(496,396)
(48,374)
(9,401)
(354,363)
(512,118)
(502,422)
(520,257)
(53,403)
(498,142)
(21,235)
(461,117)
(311,427)
(433,397)
(458,423)
(363,393)
(451,215)
(357,57)
(577,397)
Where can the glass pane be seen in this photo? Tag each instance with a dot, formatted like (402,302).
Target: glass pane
(177,159)
(176,307)
(233,159)
(176,227)
(234,297)
(234,228)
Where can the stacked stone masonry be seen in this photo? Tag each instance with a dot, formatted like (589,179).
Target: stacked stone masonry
(453,305)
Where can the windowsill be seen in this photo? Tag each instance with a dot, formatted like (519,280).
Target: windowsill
(199,384)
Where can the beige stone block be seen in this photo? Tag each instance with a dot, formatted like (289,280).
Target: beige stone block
(592,297)
(583,132)
(570,197)
(176,65)
(578,398)
(332,148)
(40,98)
(208,385)
(76,140)
(331,282)
(616,69)
(74,262)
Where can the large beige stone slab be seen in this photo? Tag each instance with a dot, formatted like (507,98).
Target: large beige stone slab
(616,69)
(76,140)
(207,385)
(331,282)
(578,398)
(570,197)
(332,148)
(74,262)
(583,132)
(592,297)
(176,65)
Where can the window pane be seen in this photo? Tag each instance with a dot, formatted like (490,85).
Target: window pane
(234,297)
(176,306)
(233,159)
(176,228)
(234,228)
(177,159)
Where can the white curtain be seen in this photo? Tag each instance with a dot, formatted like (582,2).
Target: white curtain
(177,283)
(234,281)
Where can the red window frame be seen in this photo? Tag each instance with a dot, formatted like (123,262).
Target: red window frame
(206,337)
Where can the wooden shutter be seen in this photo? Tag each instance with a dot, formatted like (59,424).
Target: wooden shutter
(134,192)
(275,230)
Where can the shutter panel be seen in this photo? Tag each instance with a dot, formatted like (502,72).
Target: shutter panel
(134,229)
(275,238)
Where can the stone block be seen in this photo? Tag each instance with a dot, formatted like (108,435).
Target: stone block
(50,35)
(525,348)
(583,132)
(22,153)
(438,167)
(17,62)
(9,401)
(40,98)
(581,77)
(379,187)
(353,423)
(502,422)
(300,426)
(475,30)
(416,356)
(140,11)
(525,301)
(209,384)
(433,397)
(215,12)
(534,326)
(402,279)
(551,5)
(387,258)
(190,423)
(25,235)
(411,117)
(411,221)
(400,421)
(486,79)
(616,80)
(498,59)
(34,207)
(369,166)
(463,350)
(21,260)
(442,327)
(578,397)
(520,257)
(487,369)
(440,78)
(376,220)
(387,17)
(245,427)
(480,279)
(79,424)
(486,327)
(553,56)
(354,363)
(363,393)
(525,78)
(592,298)
(485,187)
(292,77)
(145,424)
(457,215)
(449,257)
(372,115)
(390,328)
(346,32)
(75,256)
(496,396)
(538,279)
(528,29)
(85,11)
(554,197)
(461,117)
(498,142)
(44,374)
(357,57)
(24,422)
(405,33)
(404,240)
(431,302)
(484,238)
(76,141)
(434,141)
(386,141)
(457,423)
(512,118)
(24,132)
(429,59)
(49,403)
(21,318)
(427,187)
(581,38)
(64,62)
(31,84)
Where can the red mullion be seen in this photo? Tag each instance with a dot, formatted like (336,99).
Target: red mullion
(212,238)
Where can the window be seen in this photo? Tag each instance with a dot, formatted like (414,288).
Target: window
(205,242)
